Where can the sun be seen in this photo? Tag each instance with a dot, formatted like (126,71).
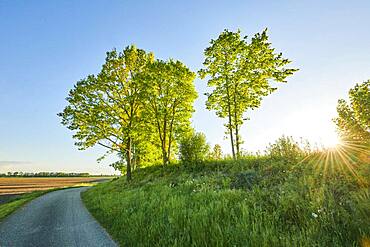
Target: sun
(330,141)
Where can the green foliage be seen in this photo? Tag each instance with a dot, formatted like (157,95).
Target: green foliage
(244,180)
(170,94)
(286,148)
(147,152)
(135,107)
(258,201)
(140,108)
(194,147)
(353,121)
(217,152)
(106,109)
(240,74)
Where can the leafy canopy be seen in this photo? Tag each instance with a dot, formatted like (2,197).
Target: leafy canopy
(170,94)
(240,72)
(353,121)
(106,109)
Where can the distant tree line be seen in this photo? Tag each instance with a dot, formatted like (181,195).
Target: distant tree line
(140,107)
(44,174)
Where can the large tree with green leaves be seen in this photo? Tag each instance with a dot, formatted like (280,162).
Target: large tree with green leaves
(170,94)
(106,109)
(240,72)
(353,121)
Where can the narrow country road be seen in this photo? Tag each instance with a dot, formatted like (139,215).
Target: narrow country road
(58,218)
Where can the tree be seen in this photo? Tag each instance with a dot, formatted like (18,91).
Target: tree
(353,121)
(217,152)
(240,73)
(193,147)
(106,109)
(285,147)
(170,94)
(147,151)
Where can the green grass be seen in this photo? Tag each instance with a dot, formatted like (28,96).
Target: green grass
(256,201)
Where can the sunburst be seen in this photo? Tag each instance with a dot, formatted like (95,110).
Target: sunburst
(343,157)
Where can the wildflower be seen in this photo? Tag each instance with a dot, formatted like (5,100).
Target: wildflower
(314,215)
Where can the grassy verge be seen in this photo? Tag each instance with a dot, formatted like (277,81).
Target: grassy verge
(252,202)
(12,205)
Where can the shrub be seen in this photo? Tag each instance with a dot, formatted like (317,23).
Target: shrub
(244,180)
(194,147)
(285,147)
(217,152)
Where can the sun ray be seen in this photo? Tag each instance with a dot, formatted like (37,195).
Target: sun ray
(344,158)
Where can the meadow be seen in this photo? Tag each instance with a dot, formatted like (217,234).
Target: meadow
(257,200)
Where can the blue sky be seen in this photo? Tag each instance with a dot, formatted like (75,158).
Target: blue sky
(46,46)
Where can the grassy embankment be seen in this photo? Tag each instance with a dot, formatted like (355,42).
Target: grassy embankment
(257,201)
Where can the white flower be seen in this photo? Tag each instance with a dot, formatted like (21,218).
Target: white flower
(314,215)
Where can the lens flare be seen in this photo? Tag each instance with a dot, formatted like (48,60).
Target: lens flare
(341,157)
(331,142)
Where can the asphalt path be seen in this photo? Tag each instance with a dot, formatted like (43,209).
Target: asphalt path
(57,218)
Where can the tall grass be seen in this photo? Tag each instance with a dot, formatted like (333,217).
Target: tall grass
(256,201)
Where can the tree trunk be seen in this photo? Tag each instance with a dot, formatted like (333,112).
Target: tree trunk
(236,124)
(230,125)
(169,152)
(237,141)
(132,157)
(128,159)
(164,152)
(232,139)
(170,134)
(229,115)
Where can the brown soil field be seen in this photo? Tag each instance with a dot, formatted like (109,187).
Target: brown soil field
(14,185)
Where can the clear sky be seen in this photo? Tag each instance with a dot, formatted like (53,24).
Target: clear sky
(46,46)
